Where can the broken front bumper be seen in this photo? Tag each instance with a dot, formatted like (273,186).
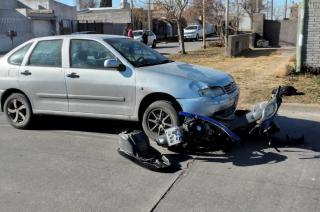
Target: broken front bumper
(208,106)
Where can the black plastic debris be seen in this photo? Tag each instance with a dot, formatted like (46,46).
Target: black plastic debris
(288,91)
(136,147)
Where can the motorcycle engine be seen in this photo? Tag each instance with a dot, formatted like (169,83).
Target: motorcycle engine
(198,131)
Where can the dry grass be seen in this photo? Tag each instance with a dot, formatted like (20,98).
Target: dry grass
(257,72)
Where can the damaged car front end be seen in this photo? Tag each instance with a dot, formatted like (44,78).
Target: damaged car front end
(218,99)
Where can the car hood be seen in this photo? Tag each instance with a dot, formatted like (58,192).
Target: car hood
(211,77)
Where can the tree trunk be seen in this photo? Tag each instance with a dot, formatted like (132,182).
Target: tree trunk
(180,36)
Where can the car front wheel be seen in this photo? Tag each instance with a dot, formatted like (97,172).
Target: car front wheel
(158,117)
(154,44)
(18,111)
(197,37)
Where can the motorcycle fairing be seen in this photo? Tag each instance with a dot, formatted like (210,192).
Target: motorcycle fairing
(213,122)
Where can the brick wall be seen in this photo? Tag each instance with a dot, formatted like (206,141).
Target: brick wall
(311,41)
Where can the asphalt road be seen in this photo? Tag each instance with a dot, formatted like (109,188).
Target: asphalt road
(174,48)
(69,164)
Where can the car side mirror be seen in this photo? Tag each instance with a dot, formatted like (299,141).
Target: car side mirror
(114,63)
(111,63)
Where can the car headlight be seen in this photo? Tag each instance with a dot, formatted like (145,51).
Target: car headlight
(231,78)
(211,92)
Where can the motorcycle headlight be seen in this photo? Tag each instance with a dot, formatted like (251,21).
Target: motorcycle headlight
(269,110)
(211,92)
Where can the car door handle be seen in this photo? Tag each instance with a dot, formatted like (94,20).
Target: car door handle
(26,73)
(73,75)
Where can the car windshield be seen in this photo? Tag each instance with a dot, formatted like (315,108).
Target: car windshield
(137,33)
(191,27)
(137,53)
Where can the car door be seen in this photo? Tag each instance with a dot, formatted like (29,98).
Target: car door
(150,37)
(94,89)
(41,76)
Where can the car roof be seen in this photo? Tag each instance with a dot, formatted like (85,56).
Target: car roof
(75,36)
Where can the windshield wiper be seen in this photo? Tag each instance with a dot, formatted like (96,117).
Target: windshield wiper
(166,61)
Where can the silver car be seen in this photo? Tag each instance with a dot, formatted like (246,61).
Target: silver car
(152,38)
(106,76)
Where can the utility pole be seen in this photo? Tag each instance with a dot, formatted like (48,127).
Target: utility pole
(238,18)
(204,30)
(257,6)
(285,9)
(271,9)
(149,15)
(226,26)
(132,18)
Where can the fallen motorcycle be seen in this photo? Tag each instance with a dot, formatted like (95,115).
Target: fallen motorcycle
(200,133)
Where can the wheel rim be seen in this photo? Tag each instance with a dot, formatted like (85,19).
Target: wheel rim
(158,121)
(17,111)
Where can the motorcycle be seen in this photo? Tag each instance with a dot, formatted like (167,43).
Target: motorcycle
(200,133)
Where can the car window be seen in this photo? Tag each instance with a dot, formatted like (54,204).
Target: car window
(191,27)
(46,53)
(149,33)
(137,33)
(17,57)
(137,53)
(88,54)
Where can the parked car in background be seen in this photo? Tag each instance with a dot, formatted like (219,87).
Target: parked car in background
(108,76)
(193,32)
(152,38)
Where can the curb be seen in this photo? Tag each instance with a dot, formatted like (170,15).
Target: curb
(300,108)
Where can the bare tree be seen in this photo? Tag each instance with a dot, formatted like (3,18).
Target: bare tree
(215,14)
(251,7)
(87,3)
(174,10)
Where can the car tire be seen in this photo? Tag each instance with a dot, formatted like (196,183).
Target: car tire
(18,111)
(154,44)
(197,37)
(158,116)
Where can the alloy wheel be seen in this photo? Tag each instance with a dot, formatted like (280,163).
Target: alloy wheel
(17,111)
(158,121)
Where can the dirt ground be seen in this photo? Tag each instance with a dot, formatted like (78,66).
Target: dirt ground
(257,72)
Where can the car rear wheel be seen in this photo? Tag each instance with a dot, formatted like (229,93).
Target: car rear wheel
(158,117)
(18,111)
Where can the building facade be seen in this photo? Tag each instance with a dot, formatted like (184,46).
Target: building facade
(31,18)
(108,20)
(311,34)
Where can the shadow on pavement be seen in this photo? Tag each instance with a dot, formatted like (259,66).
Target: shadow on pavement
(55,123)
(253,151)
(167,47)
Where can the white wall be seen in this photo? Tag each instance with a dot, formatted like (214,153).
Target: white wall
(41,28)
(245,23)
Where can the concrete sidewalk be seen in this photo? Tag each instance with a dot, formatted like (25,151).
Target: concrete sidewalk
(72,165)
